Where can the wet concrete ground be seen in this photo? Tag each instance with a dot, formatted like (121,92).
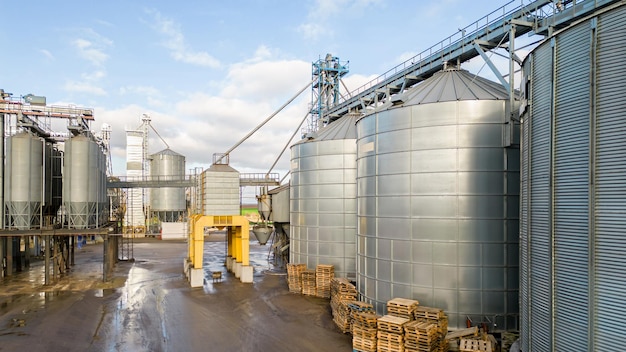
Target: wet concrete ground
(149,306)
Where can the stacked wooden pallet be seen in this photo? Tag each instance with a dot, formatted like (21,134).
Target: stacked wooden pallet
(342,289)
(434,316)
(391,333)
(402,307)
(469,345)
(364,331)
(325,273)
(294,277)
(421,336)
(308,283)
(342,292)
(359,307)
(453,338)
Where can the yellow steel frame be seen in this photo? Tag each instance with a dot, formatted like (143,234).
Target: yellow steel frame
(238,237)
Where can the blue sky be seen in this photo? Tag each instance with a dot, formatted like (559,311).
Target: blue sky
(207,72)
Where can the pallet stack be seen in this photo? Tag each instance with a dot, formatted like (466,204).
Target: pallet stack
(308,283)
(468,345)
(325,273)
(453,338)
(364,331)
(402,307)
(342,292)
(434,316)
(294,277)
(421,336)
(391,333)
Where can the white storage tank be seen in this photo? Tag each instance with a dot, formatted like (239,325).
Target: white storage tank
(84,183)
(573,205)
(168,204)
(24,175)
(323,198)
(220,190)
(438,194)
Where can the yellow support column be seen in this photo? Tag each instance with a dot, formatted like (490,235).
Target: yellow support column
(238,237)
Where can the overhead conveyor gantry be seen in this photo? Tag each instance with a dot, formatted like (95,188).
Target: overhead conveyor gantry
(495,30)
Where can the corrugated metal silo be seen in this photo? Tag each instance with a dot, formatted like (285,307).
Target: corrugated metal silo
(438,196)
(83,180)
(572,243)
(23,181)
(220,190)
(168,203)
(323,199)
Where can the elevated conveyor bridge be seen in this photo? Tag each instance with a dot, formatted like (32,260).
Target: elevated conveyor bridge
(245,179)
(497,29)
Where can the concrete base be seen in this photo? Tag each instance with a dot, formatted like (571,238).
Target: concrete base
(237,269)
(247,273)
(196,277)
(186,263)
(229,263)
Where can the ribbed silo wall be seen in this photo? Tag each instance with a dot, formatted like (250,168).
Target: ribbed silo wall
(23,181)
(84,183)
(168,203)
(573,191)
(220,190)
(323,205)
(438,198)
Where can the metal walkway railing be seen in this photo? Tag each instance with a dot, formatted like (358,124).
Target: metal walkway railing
(539,17)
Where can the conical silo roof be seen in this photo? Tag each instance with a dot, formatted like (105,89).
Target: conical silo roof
(454,84)
(167,151)
(343,128)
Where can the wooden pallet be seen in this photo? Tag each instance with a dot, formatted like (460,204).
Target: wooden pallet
(468,345)
(473,331)
(308,283)
(392,323)
(364,332)
(402,307)
(365,320)
(294,277)
(428,313)
(324,275)
(364,344)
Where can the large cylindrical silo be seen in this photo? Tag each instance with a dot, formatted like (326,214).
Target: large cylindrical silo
(168,203)
(220,190)
(573,193)
(323,199)
(83,190)
(438,194)
(23,189)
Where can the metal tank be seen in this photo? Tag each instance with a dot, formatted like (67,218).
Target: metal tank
(438,194)
(168,203)
(220,190)
(573,193)
(23,181)
(323,198)
(84,183)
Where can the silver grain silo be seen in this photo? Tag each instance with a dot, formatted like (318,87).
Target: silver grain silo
(220,190)
(23,181)
(438,195)
(323,198)
(573,193)
(168,203)
(83,179)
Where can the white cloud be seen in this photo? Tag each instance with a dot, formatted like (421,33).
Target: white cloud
(93,48)
(174,41)
(323,14)
(94,76)
(47,54)
(83,87)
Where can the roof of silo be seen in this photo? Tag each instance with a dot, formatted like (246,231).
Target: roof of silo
(343,128)
(167,151)
(454,84)
(221,168)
